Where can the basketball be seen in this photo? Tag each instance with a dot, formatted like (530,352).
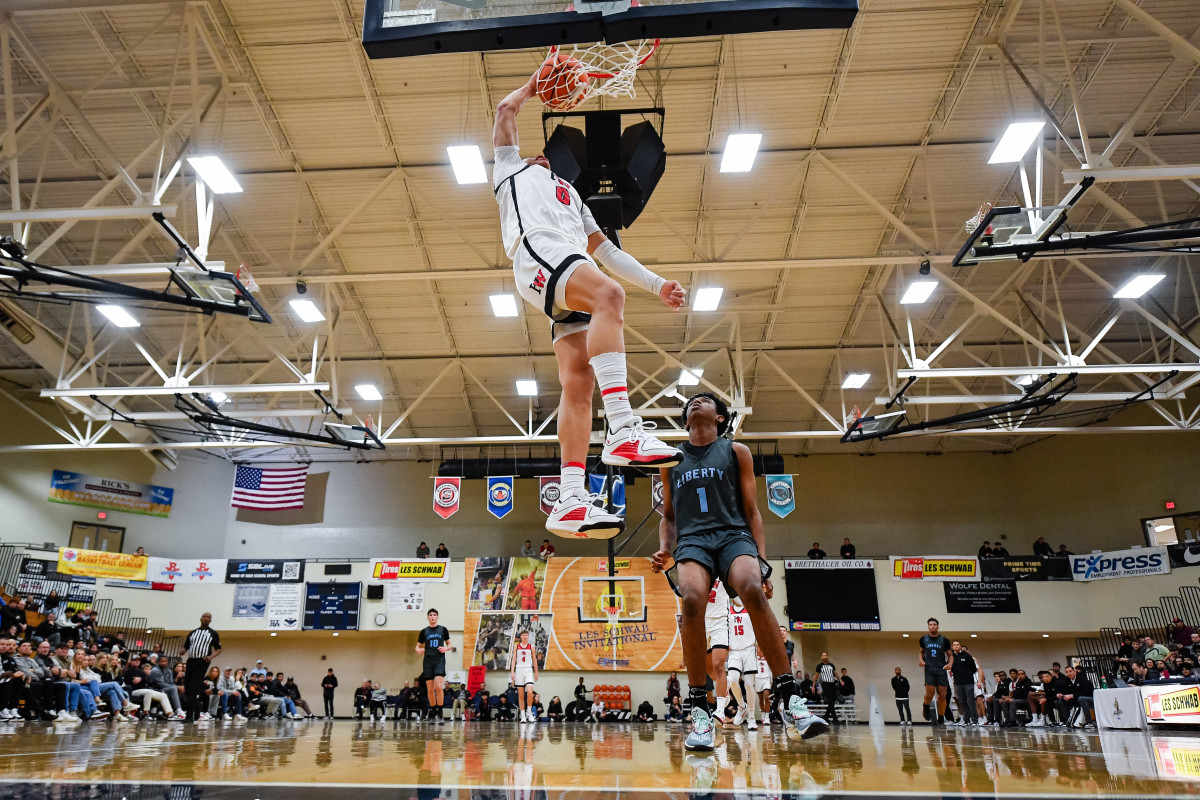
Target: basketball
(562,83)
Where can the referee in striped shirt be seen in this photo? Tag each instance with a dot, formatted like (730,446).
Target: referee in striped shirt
(201,646)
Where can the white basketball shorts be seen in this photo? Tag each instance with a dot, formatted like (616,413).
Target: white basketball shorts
(716,629)
(543,264)
(744,661)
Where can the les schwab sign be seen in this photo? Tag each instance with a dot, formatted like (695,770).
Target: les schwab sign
(935,568)
(1174,704)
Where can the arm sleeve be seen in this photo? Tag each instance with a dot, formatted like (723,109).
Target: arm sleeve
(626,266)
(508,160)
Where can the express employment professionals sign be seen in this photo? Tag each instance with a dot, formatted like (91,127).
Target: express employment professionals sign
(1120,564)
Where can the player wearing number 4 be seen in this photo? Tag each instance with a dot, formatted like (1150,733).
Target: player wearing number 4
(551,236)
(524,673)
(711,522)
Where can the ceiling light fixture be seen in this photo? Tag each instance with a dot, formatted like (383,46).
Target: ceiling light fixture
(119,316)
(218,397)
(1015,142)
(740,151)
(707,298)
(1026,380)
(856,380)
(504,305)
(367,391)
(917,292)
(527,388)
(690,377)
(467,163)
(1137,286)
(307,310)
(215,174)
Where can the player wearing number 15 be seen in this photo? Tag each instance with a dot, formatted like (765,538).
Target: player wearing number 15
(711,521)
(552,237)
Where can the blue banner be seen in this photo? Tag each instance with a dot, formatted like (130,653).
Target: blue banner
(781,496)
(596,485)
(500,496)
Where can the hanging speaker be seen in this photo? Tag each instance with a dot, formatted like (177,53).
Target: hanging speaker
(566,150)
(643,160)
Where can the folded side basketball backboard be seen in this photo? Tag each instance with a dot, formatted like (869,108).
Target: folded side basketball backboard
(398,28)
(1016,233)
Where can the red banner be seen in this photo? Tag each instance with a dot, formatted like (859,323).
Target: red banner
(549,489)
(445,496)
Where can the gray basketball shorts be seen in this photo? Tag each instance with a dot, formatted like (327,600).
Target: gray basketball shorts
(716,551)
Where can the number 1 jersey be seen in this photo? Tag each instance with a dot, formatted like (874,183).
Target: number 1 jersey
(706,490)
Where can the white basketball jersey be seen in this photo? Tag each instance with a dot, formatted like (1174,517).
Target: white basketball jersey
(524,655)
(532,198)
(718,601)
(741,633)
(763,667)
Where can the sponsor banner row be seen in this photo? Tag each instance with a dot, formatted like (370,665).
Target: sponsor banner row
(1120,564)
(982,597)
(411,569)
(1134,562)
(1026,568)
(935,568)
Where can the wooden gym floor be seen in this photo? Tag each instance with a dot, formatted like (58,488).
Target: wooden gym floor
(363,760)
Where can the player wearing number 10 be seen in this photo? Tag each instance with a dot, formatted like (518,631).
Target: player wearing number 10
(711,520)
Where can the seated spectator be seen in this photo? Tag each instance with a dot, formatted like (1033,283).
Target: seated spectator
(14,616)
(1075,702)
(422,550)
(816,553)
(555,711)
(675,711)
(458,709)
(214,693)
(40,681)
(16,685)
(986,550)
(546,550)
(1042,548)
(293,693)
(597,712)
(645,712)
(845,687)
(1179,633)
(230,688)
(442,551)
(379,694)
(141,551)
(47,630)
(1037,701)
(999,550)
(259,671)
(1021,687)
(848,549)
(101,686)
(1063,552)
(483,706)
(528,550)
(274,688)
(141,689)
(993,703)
(1125,652)
(77,704)
(362,698)
(1157,652)
(537,706)
(504,711)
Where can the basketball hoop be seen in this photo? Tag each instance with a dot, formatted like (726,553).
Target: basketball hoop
(974,222)
(574,73)
(246,279)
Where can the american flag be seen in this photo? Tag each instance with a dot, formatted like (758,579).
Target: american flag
(269,489)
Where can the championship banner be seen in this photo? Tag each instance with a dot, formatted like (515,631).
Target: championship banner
(188,570)
(781,495)
(1120,564)
(564,604)
(445,496)
(500,496)
(935,568)
(411,569)
(78,489)
(656,493)
(267,571)
(549,488)
(101,564)
(598,484)
(1184,554)
(1172,703)
(982,597)
(1025,568)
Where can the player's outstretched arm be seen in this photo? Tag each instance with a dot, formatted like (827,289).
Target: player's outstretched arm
(626,266)
(666,527)
(504,133)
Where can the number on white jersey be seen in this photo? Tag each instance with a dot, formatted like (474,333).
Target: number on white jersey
(718,601)
(741,632)
(524,655)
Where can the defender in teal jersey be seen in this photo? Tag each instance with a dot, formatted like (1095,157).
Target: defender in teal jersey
(712,528)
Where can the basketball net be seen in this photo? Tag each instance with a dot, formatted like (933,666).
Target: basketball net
(246,279)
(974,221)
(595,69)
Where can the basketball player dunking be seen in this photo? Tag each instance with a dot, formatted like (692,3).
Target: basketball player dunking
(711,520)
(551,236)
(523,675)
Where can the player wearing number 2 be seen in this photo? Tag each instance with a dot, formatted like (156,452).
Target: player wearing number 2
(711,522)
(551,236)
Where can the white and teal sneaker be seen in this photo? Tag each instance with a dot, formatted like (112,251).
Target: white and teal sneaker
(701,737)
(802,723)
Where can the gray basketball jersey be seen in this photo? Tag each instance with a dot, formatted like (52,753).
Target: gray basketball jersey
(705,490)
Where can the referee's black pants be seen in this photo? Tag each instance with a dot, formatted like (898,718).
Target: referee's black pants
(830,692)
(195,701)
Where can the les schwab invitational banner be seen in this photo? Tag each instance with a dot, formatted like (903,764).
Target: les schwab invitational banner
(78,489)
(507,595)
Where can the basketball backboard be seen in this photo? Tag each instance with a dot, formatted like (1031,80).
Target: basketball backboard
(222,290)
(597,595)
(398,28)
(1015,233)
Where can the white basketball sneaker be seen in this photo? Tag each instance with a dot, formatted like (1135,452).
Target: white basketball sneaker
(577,515)
(631,446)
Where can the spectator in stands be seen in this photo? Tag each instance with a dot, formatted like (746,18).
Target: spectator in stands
(1192,651)
(458,709)
(806,687)
(504,710)
(1037,701)
(1063,552)
(231,694)
(546,550)
(1179,633)
(1021,687)
(645,712)
(901,688)
(597,712)
(442,551)
(672,688)
(999,699)
(986,550)
(1138,676)
(1042,548)
(999,550)
(675,711)
(422,550)
(47,629)
(816,552)
(141,551)
(1075,702)
(528,550)
(1125,652)
(537,706)
(293,693)
(214,693)
(66,628)
(555,711)
(15,684)
(847,550)
(99,685)
(362,698)
(258,671)
(53,602)
(845,687)
(1156,652)
(274,688)
(14,615)
(483,705)
(75,700)
(1139,648)
(378,693)
(41,682)
(162,680)
(141,688)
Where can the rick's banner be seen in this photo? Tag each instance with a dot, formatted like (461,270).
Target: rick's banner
(78,489)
